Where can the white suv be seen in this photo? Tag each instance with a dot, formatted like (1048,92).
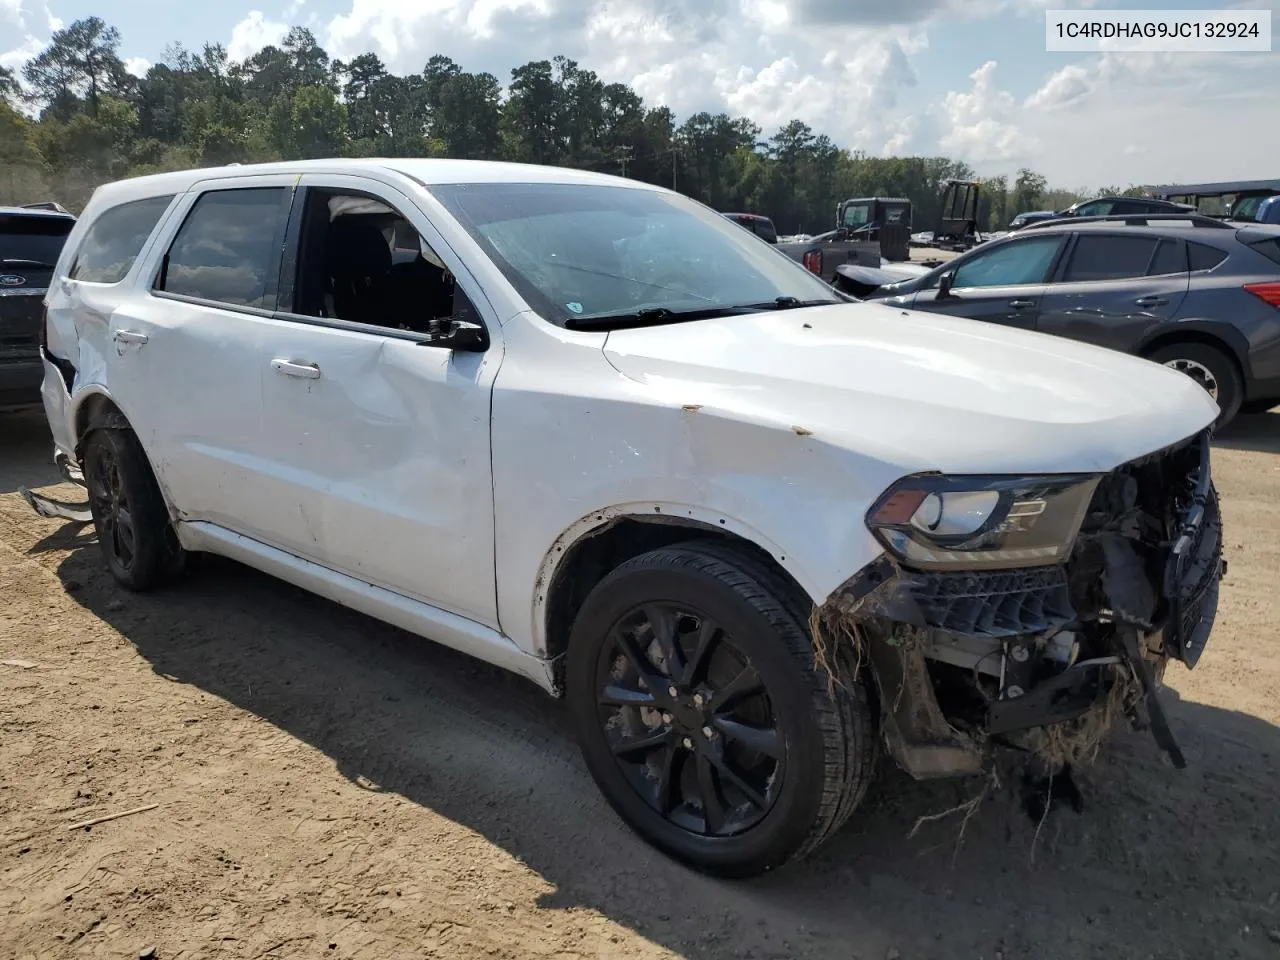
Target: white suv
(590,431)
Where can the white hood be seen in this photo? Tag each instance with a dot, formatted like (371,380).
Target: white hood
(919,391)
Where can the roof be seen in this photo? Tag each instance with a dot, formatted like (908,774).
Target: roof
(35,212)
(878,200)
(1209,189)
(426,171)
(751,216)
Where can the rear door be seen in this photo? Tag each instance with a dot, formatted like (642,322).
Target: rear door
(1001,284)
(184,354)
(1112,287)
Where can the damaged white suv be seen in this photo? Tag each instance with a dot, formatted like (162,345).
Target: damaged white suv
(590,431)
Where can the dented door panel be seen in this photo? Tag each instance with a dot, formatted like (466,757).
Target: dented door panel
(380,464)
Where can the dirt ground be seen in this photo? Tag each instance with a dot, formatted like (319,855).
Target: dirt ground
(330,787)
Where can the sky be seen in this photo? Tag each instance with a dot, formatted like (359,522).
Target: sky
(969,79)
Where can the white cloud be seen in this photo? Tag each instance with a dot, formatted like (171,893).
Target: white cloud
(253,33)
(138,66)
(979,125)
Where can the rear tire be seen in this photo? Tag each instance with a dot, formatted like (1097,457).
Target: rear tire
(1212,369)
(753,762)
(138,542)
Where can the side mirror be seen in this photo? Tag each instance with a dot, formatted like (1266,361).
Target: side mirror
(945,283)
(454,334)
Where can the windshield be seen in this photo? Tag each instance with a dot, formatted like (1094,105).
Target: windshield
(1246,208)
(24,238)
(857,214)
(580,251)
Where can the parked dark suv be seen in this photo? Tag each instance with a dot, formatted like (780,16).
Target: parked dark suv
(1195,293)
(762,227)
(30,240)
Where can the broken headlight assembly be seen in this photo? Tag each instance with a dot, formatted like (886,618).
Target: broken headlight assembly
(935,522)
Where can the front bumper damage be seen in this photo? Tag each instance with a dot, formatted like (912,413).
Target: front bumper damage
(1044,659)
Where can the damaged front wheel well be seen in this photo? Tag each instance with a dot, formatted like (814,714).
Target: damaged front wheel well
(598,552)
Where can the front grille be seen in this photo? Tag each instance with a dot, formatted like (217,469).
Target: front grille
(20,327)
(1002,603)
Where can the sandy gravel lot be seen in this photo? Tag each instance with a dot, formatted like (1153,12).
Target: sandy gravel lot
(330,787)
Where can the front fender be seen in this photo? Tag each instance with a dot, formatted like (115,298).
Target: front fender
(576,444)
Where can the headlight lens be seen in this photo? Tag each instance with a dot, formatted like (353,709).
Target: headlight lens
(980,522)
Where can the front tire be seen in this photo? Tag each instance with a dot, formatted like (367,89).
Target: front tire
(1212,369)
(703,718)
(138,542)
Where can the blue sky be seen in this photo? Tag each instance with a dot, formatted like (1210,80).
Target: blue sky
(965,78)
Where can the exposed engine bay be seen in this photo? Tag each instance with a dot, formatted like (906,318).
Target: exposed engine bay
(1044,658)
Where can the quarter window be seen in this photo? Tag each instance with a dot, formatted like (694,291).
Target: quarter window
(115,239)
(1020,262)
(228,249)
(1204,257)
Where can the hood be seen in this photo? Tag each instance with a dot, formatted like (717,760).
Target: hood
(920,391)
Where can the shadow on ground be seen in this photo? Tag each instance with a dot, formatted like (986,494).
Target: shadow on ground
(1161,863)
(1256,431)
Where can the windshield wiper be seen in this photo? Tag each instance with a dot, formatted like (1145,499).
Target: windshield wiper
(788,303)
(28,263)
(654,316)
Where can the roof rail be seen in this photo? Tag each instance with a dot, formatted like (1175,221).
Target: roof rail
(46,205)
(1134,220)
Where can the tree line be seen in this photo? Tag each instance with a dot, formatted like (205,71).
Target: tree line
(75,118)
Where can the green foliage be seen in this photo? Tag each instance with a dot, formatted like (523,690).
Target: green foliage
(96,123)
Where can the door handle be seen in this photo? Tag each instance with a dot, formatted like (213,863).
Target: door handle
(1151,301)
(1022,304)
(307,371)
(129,336)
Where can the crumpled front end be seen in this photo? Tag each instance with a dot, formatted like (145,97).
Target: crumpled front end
(1047,657)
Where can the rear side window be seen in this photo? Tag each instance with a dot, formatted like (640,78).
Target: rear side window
(1110,258)
(228,248)
(1268,248)
(31,241)
(1170,258)
(1204,257)
(115,239)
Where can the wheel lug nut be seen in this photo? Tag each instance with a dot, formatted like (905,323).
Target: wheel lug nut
(666,718)
(708,732)
(697,699)
(688,744)
(673,691)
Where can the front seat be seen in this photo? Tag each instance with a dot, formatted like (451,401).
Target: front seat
(357,262)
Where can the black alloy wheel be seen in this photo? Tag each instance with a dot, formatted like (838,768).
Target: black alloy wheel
(689,720)
(703,717)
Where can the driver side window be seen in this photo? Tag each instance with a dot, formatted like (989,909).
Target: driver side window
(361,261)
(1020,262)
(1098,208)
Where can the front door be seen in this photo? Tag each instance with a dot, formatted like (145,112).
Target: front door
(379,443)
(1003,284)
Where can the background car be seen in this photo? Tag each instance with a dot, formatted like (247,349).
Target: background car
(1030,217)
(1106,206)
(761,226)
(1195,293)
(31,239)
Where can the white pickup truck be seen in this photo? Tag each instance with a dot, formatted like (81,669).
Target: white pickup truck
(590,431)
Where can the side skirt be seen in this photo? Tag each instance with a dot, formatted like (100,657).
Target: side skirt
(431,623)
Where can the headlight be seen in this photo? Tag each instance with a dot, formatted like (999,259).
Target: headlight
(934,521)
